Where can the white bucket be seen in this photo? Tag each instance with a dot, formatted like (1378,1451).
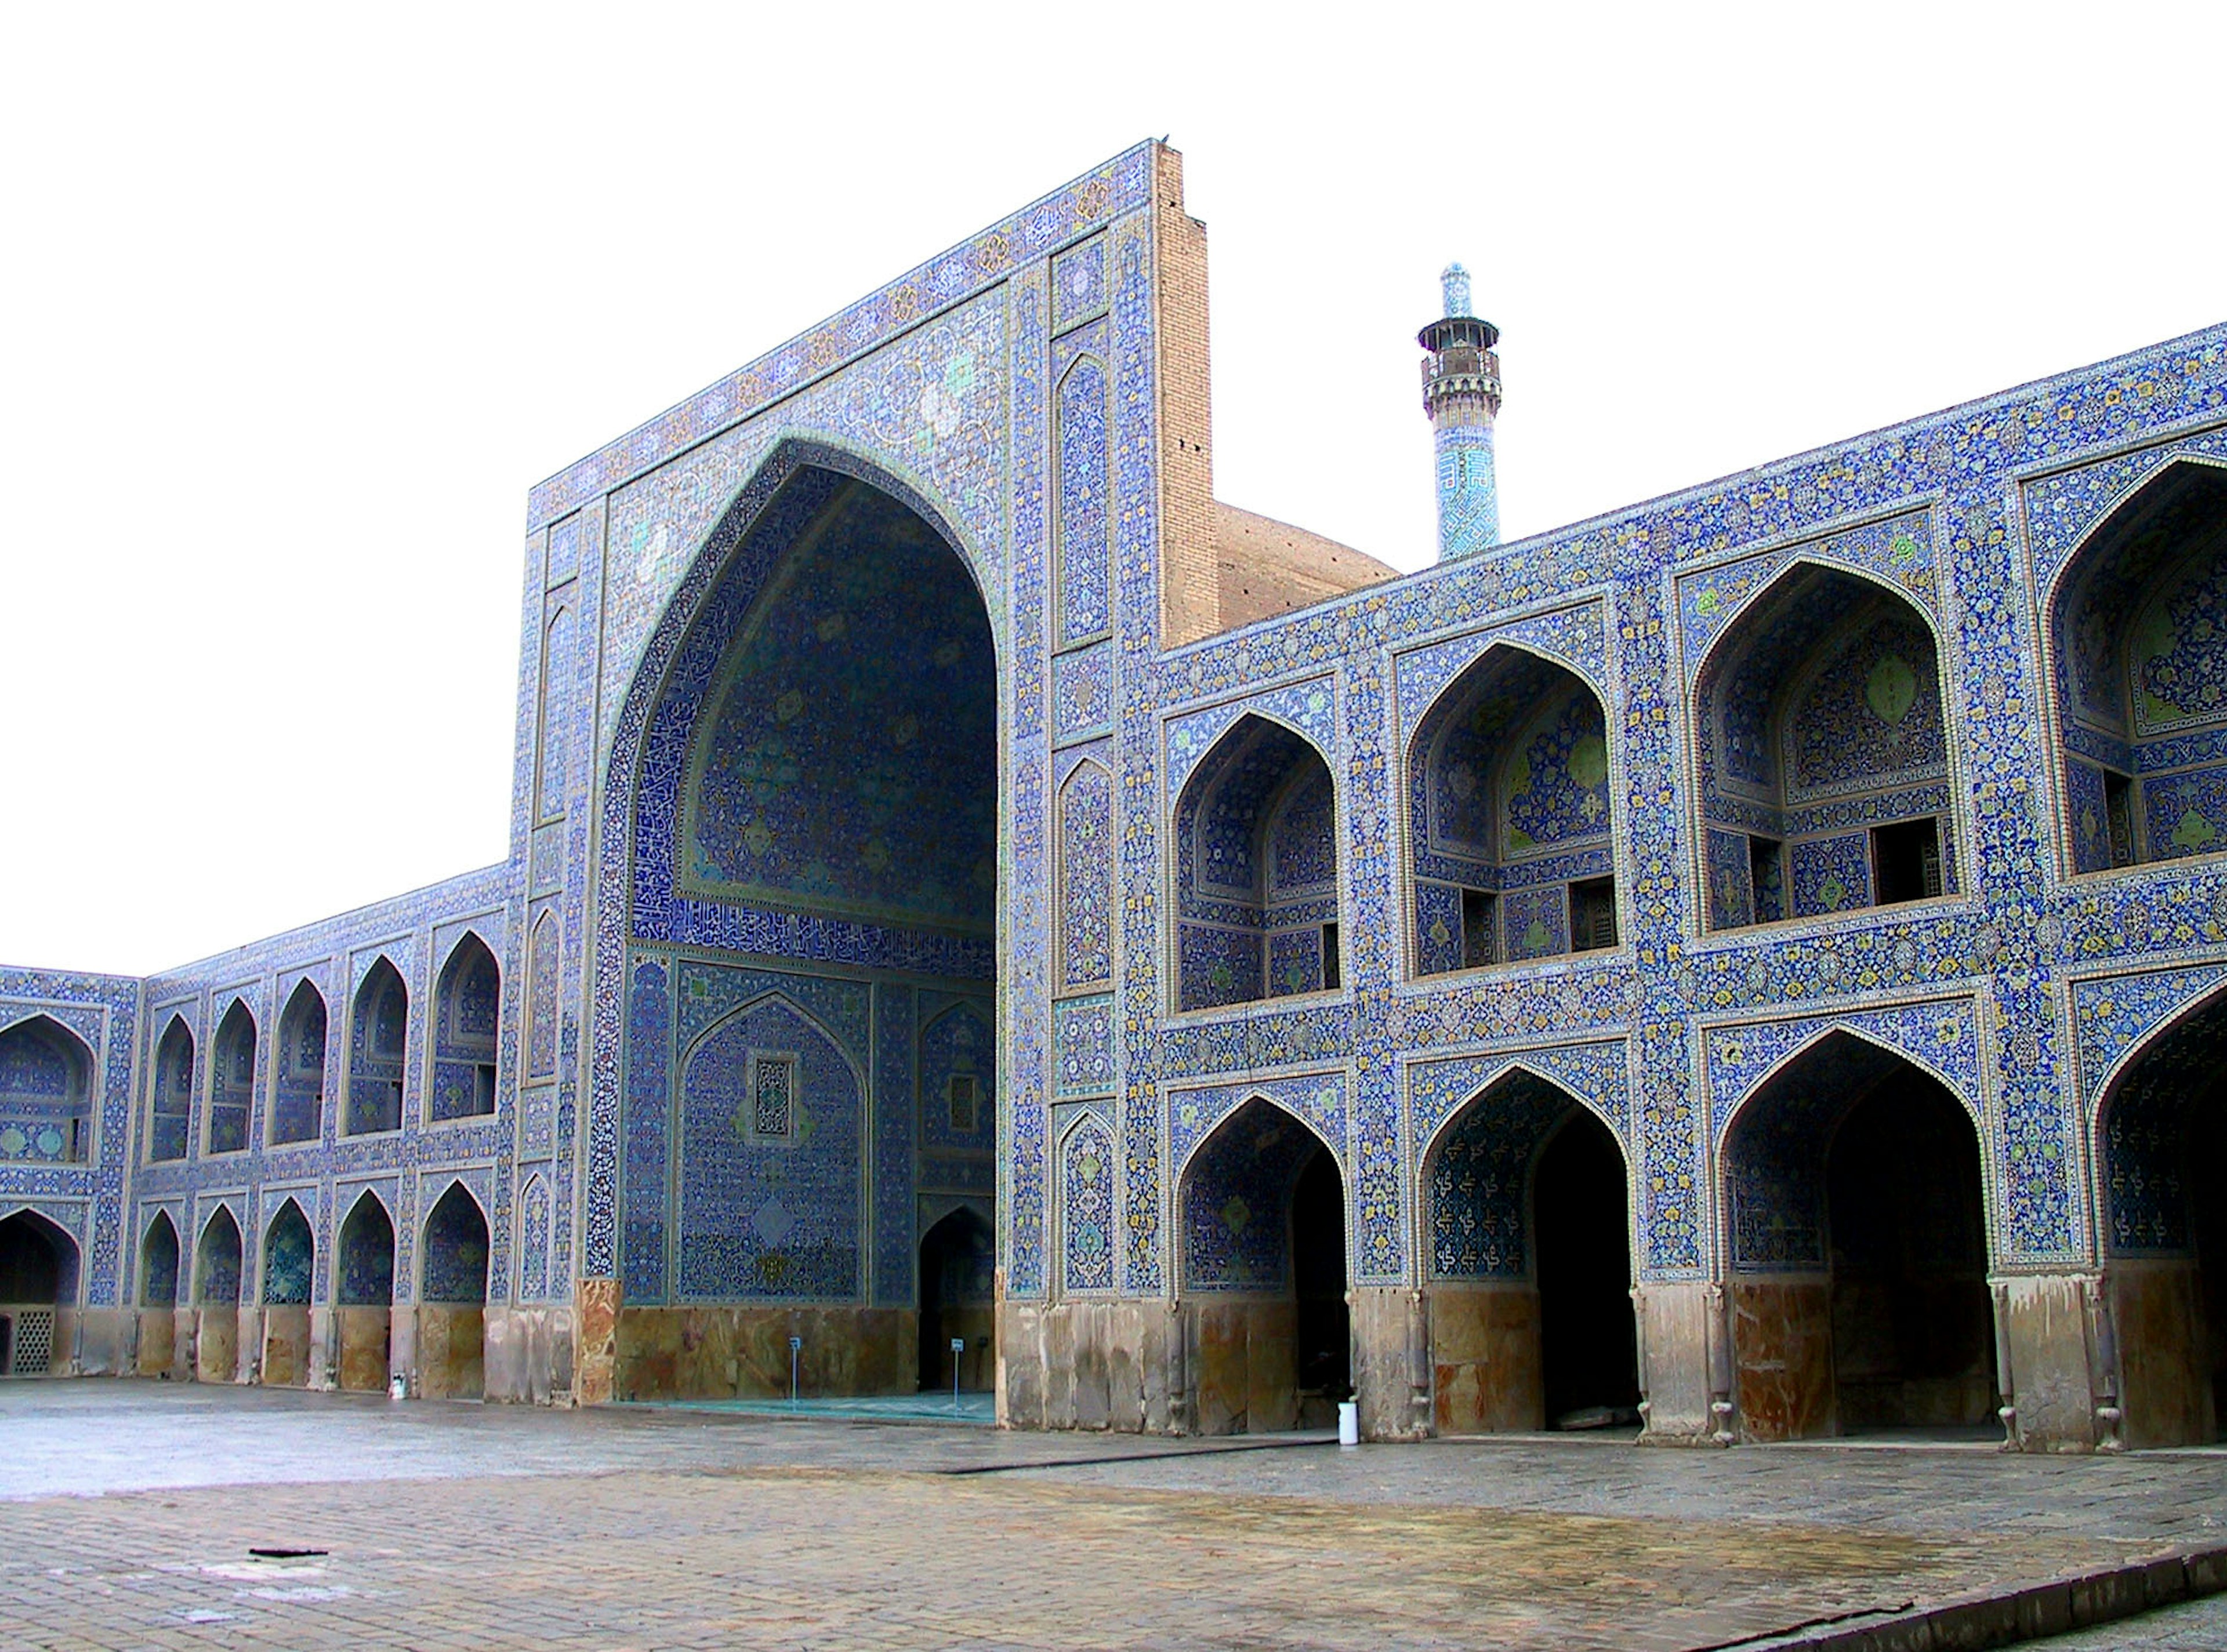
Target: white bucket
(1348,1423)
(397,1387)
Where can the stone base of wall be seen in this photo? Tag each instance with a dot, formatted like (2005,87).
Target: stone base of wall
(1091,1364)
(1782,1357)
(526,1356)
(1685,1363)
(738,1353)
(451,1346)
(286,1346)
(1485,1374)
(216,1344)
(2054,1369)
(365,1337)
(2164,1354)
(157,1345)
(104,1342)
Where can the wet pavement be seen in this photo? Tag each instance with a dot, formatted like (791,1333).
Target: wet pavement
(128,1511)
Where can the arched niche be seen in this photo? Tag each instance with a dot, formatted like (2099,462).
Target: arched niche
(1262,1208)
(1255,849)
(158,1263)
(1823,753)
(958,1269)
(2160,1139)
(453,1292)
(289,1272)
(297,1090)
(466,1009)
(2137,634)
(378,1043)
(1527,1209)
(46,1093)
(217,1261)
(170,1115)
(1509,817)
(1856,1227)
(364,1293)
(38,1282)
(231,1080)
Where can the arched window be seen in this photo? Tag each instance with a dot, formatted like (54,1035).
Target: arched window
(467,1002)
(2138,637)
(1256,871)
(174,1092)
(232,1080)
(1507,808)
(1823,754)
(46,1093)
(298,1096)
(377,1040)
(158,1263)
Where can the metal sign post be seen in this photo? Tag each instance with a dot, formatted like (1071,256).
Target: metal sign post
(958,1353)
(795,1343)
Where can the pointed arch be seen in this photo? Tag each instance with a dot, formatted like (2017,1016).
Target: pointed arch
(1256,869)
(378,1033)
(289,1256)
(453,1265)
(2135,664)
(365,1265)
(543,950)
(1084,871)
(1081,512)
(171,1105)
(297,1090)
(552,765)
(1086,1205)
(158,1262)
(218,1262)
(231,1079)
(957,1063)
(467,1018)
(46,1093)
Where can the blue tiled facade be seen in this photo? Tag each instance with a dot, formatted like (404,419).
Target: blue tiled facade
(892,827)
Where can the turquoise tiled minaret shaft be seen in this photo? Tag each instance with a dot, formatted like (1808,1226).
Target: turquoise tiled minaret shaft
(1461,393)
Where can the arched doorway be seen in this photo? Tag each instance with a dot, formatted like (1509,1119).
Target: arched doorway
(452,1297)
(807,761)
(1858,1241)
(1527,1208)
(38,1292)
(1823,753)
(2140,668)
(289,1262)
(958,1268)
(2160,1140)
(216,1299)
(1268,1335)
(366,1295)
(159,1296)
(1256,853)
(1509,817)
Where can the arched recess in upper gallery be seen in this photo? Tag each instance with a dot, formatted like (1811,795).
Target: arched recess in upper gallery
(297,1092)
(1823,753)
(379,1026)
(46,1093)
(231,1080)
(1255,864)
(171,1117)
(2136,630)
(1509,817)
(467,1008)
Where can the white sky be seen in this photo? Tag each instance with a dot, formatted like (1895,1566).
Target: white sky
(298,304)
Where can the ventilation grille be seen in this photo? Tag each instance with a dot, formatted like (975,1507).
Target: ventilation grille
(32,1346)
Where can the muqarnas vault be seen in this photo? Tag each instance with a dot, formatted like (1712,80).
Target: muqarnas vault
(1754,964)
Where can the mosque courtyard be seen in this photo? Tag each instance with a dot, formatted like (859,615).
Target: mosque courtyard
(132,1513)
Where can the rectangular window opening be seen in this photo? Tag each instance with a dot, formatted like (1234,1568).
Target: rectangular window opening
(1480,929)
(1592,914)
(962,1093)
(2119,812)
(483,1088)
(1332,980)
(1906,860)
(1766,872)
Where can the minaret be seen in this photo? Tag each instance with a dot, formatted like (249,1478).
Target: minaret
(1461,393)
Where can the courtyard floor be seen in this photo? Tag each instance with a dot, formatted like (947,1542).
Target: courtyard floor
(129,1510)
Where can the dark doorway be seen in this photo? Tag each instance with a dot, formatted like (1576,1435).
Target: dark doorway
(1325,1329)
(31,1265)
(1589,1351)
(958,1260)
(1913,1343)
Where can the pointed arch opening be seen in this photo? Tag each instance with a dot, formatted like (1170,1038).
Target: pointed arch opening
(290,1269)
(1261,1207)
(170,1122)
(38,1292)
(218,1265)
(1527,1204)
(365,1294)
(159,1268)
(2160,1139)
(466,1007)
(378,1043)
(958,1302)
(46,1093)
(2137,629)
(232,1080)
(1823,753)
(453,1293)
(1509,817)
(297,1098)
(1857,1231)
(1256,871)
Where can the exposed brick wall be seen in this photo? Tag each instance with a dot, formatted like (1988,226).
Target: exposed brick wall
(1191,602)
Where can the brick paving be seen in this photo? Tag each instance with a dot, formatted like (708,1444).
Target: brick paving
(464,1526)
